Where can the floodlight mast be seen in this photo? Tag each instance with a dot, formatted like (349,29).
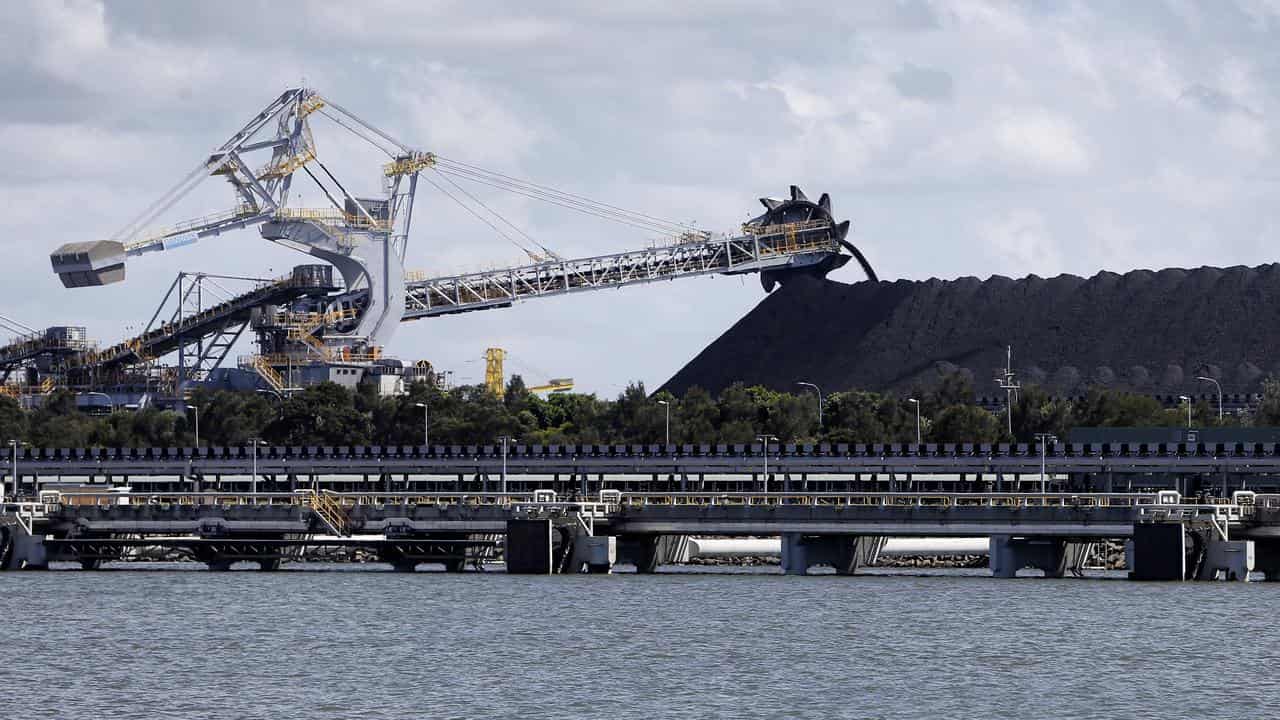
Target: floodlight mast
(1006,382)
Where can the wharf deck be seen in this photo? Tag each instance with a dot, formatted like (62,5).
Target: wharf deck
(409,528)
(1104,467)
(749,514)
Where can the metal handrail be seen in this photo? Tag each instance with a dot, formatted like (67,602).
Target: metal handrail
(641,499)
(326,215)
(873,499)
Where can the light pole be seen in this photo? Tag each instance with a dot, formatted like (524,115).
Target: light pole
(764,443)
(196,410)
(426,425)
(504,439)
(1009,385)
(667,405)
(819,391)
(916,402)
(1045,439)
(1187,400)
(13,445)
(253,487)
(1217,385)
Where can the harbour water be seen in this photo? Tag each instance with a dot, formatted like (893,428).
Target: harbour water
(324,641)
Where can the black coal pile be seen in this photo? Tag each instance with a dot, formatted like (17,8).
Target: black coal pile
(1146,331)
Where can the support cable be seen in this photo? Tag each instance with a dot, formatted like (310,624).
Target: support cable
(166,201)
(15,326)
(648,227)
(561,193)
(357,132)
(483,219)
(578,207)
(323,189)
(566,202)
(567,196)
(498,215)
(359,205)
(356,119)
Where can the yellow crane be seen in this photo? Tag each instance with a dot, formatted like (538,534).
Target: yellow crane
(495,376)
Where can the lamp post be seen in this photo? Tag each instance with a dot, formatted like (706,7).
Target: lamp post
(504,440)
(1217,385)
(819,392)
(667,406)
(253,486)
(1009,385)
(764,443)
(1045,439)
(196,410)
(916,402)
(13,446)
(1187,400)
(426,425)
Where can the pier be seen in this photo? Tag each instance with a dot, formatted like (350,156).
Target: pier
(1188,468)
(1168,537)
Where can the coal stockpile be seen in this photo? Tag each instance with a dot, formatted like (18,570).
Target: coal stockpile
(1146,331)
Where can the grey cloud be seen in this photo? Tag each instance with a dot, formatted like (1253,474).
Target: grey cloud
(922,83)
(1214,100)
(916,15)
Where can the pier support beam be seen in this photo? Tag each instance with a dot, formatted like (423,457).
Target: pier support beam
(1172,551)
(1267,558)
(594,553)
(1054,557)
(845,553)
(529,547)
(1227,559)
(647,552)
(20,550)
(1159,552)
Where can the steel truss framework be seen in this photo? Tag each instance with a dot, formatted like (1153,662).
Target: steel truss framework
(366,240)
(700,256)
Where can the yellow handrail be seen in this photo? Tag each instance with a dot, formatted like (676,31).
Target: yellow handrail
(330,511)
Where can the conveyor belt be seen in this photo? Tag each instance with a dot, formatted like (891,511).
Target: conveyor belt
(169,336)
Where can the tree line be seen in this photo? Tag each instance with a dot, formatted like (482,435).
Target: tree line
(330,414)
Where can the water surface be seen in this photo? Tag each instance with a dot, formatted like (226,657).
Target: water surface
(323,641)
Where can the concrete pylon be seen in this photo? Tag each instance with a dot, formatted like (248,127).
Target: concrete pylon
(1267,558)
(19,549)
(648,552)
(594,553)
(1053,556)
(1227,559)
(1172,551)
(529,547)
(845,553)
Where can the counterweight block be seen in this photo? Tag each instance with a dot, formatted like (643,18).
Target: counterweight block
(89,264)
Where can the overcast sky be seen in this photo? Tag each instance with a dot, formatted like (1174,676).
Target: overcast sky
(963,138)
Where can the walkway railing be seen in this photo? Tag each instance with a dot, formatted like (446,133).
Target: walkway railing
(330,512)
(335,504)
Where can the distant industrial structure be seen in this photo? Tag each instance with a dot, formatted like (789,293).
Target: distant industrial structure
(315,325)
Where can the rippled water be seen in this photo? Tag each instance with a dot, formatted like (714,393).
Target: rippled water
(321,642)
